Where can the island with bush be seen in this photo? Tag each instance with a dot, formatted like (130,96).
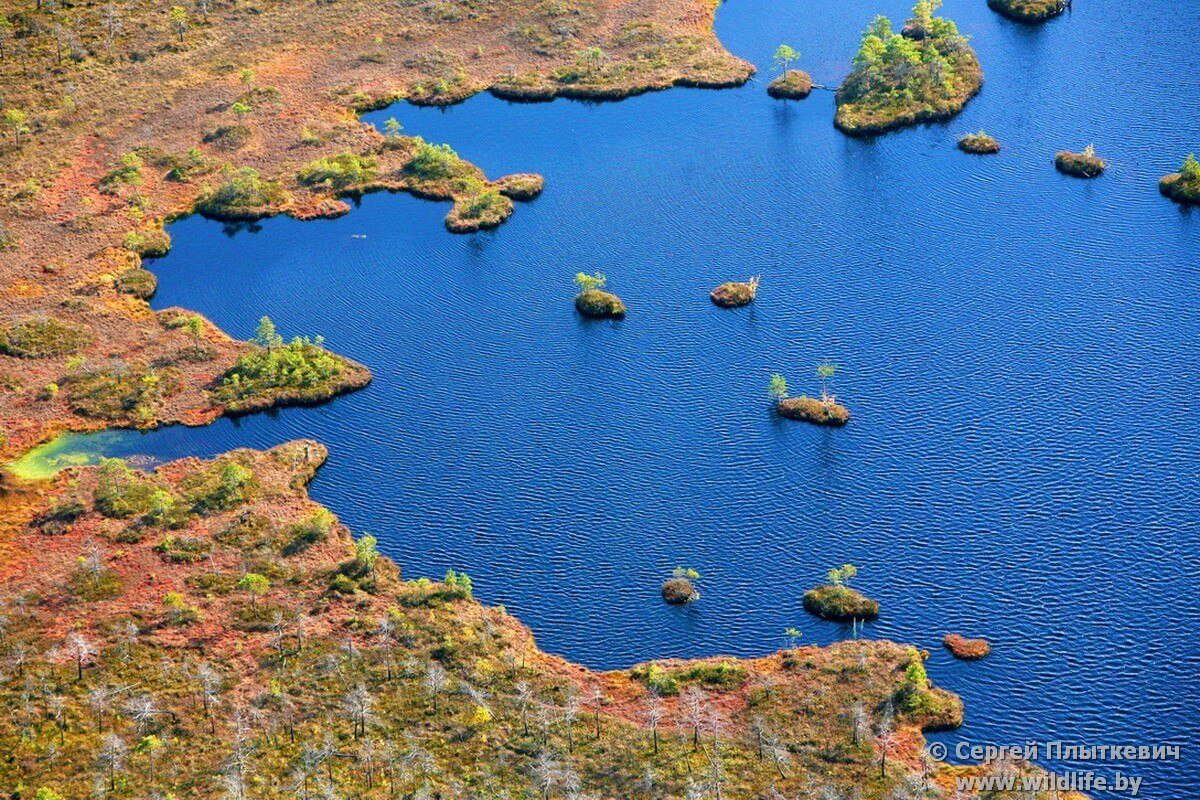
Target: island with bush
(593,301)
(1085,164)
(979,143)
(206,630)
(680,588)
(792,84)
(824,410)
(1184,186)
(835,600)
(736,294)
(1029,10)
(925,73)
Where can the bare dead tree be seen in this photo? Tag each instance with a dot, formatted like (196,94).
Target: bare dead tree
(654,716)
(436,681)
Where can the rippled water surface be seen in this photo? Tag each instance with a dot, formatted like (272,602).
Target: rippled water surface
(1020,351)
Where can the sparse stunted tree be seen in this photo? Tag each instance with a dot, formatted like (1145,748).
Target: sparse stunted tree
(778,389)
(178,18)
(654,717)
(254,585)
(784,56)
(111,758)
(81,649)
(436,681)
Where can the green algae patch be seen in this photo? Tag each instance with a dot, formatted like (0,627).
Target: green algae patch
(979,143)
(839,603)
(1028,10)
(926,73)
(794,84)
(1183,186)
(1085,164)
(66,451)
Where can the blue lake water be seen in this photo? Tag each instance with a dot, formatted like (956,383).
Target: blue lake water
(1020,351)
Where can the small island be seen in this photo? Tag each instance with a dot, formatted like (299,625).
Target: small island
(1183,186)
(819,411)
(966,649)
(792,84)
(836,601)
(592,301)
(1029,10)
(925,73)
(979,143)
(735,294)
(680,588)
(1080,165)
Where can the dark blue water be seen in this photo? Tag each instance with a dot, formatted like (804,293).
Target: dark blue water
(1020,351)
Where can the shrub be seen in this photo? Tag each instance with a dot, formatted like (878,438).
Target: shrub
(119,393)
(311,530)
(434,161)
(148,242)
(657,679)
(183,549)
(179,611)
(43,337)
(339,172)
(138,282)
(122,492)
(459,584)
(128,173)
(488,203)
(228,137)
(224,485)
(243,195)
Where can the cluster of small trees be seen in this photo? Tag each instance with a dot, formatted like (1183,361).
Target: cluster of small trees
(917,64)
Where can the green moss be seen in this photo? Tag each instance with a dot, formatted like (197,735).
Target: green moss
(839,603)
(44,337)
(91,585)
(925,73)
(183,549)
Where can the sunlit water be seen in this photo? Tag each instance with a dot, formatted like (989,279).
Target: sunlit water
(1019,350)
